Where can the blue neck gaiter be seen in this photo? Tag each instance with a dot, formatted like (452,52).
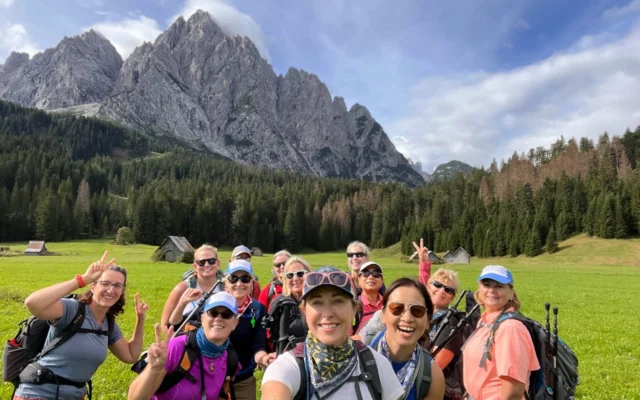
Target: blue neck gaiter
(209,349)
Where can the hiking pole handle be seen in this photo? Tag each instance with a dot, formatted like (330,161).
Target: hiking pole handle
(447,317)
(198,306)
(455,330)
(547,307)
(464,292)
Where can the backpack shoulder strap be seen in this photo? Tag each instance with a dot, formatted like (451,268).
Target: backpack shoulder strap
(73,327)
(370,371)
(298,355)
(494,327)
(189,355)
(423,380)
(232,361)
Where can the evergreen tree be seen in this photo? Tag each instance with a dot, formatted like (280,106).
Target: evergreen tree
(551,245)
(533,247)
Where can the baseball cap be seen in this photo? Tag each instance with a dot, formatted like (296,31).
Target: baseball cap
(239,265)
(332,277)
(370,264)
(223,299)
(239,250)
(497,273)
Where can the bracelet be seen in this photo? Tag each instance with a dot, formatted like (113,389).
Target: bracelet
(80,281)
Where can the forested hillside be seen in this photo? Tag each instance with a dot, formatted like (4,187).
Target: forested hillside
(64,177)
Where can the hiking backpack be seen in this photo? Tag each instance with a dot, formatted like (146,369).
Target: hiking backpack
(368,372)
(21,353)
(558,376)
(283,312)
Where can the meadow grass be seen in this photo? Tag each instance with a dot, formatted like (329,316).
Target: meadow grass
(594,282)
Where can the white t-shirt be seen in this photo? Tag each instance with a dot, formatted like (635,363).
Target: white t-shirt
(285,370)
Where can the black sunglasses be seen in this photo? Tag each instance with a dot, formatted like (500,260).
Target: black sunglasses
(447,289)
(356,255)
(417,310)
(235,278)
(368,273)
(204,262)
(279,265)
(299,274)
(226,314)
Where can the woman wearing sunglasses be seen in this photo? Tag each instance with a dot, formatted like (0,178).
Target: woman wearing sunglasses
(207,373)
(407,310)
(274,287)
(249,338)
(69,366)
(498,362)
(328,365)
(285,307)
(185,295)
(370,280)
(242,252)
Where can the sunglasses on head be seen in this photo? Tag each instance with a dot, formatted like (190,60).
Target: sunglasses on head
(236,278)
(243,256)
(336,278)
(299,274)
(447,289)
(279,265)
(204,262)
(356,255)
(368,273)
(226,314)
(417,310)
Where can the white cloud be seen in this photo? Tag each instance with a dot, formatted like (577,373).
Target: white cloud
(6,3)
(127,34)
(14,37)
(478,117)
(230,20)
(615,12)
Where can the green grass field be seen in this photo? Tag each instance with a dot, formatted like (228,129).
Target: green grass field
(594,282)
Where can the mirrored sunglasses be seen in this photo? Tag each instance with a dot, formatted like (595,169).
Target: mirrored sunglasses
(417,310)
(336,278)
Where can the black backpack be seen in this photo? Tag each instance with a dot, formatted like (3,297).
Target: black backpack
(557,382)
(277,322)
(21,353)
(369,371)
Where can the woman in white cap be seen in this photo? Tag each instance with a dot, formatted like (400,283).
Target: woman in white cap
(370,280)
(498,362)
(185,295)
(207,374)
(242,252)
(329,364)
(249,338)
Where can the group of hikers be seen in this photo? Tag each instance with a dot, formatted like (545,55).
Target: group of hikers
(318,333)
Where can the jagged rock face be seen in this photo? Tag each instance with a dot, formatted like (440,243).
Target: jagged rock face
(79,70)
(11,68)
(215,91)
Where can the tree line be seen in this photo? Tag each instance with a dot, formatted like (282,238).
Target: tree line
(65,177)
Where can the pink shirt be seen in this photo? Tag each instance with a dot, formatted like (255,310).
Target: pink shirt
(424,272)
(512,355)
(369,309)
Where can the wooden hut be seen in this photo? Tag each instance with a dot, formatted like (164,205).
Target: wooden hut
(433,257)
(256,252)
(458,256)
(174,248)
(36,248)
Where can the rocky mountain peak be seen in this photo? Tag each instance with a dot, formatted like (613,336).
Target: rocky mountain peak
(14,61)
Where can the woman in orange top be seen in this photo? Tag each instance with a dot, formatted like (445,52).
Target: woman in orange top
(498,366)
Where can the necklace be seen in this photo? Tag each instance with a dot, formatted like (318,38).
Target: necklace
(211,367)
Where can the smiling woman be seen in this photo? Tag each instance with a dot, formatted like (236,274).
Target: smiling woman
(69,367)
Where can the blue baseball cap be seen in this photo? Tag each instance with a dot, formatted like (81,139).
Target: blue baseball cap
(222,299)
(497,273)
(312,281)
(239,265)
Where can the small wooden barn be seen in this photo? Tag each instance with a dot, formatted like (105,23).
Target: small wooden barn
(433,257)
(256,252)
(36,248)
(174,248)
(458,256)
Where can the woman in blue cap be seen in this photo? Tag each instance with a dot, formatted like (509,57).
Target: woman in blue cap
(249,338)
(329,364)
(207,375)
(498,362)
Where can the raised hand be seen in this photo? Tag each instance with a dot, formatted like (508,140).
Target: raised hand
(141,307)
(190,295)
(158,352)
(423,252)
(97,268)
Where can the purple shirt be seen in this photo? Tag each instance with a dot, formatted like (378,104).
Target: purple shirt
(214,374)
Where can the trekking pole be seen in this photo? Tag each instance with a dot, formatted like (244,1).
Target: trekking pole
(448,316)
(548,346)
(455,330)
(198,306)
(555,353)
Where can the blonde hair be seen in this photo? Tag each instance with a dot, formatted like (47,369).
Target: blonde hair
(286,290)
(448,275)
(364,247)
(514,302)
(281,253)
(203,248)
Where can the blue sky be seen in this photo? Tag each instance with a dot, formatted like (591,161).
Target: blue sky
(470,80)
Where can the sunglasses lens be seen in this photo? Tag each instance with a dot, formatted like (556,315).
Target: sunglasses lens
(224,314)
(314,279)
(338,278)
(396,308)
(418,311)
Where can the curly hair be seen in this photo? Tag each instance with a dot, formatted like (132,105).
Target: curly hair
(118,307)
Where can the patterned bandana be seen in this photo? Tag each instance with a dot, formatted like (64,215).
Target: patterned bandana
(408,373)
(244,305)
(330,366)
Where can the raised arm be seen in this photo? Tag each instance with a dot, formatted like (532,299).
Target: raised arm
(146,384)
(171,304)
(424,266)
(45,303)
(129,351)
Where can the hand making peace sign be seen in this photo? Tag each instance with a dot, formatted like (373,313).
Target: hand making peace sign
(141,306)
(423,252)
(97,268)
(158,352)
